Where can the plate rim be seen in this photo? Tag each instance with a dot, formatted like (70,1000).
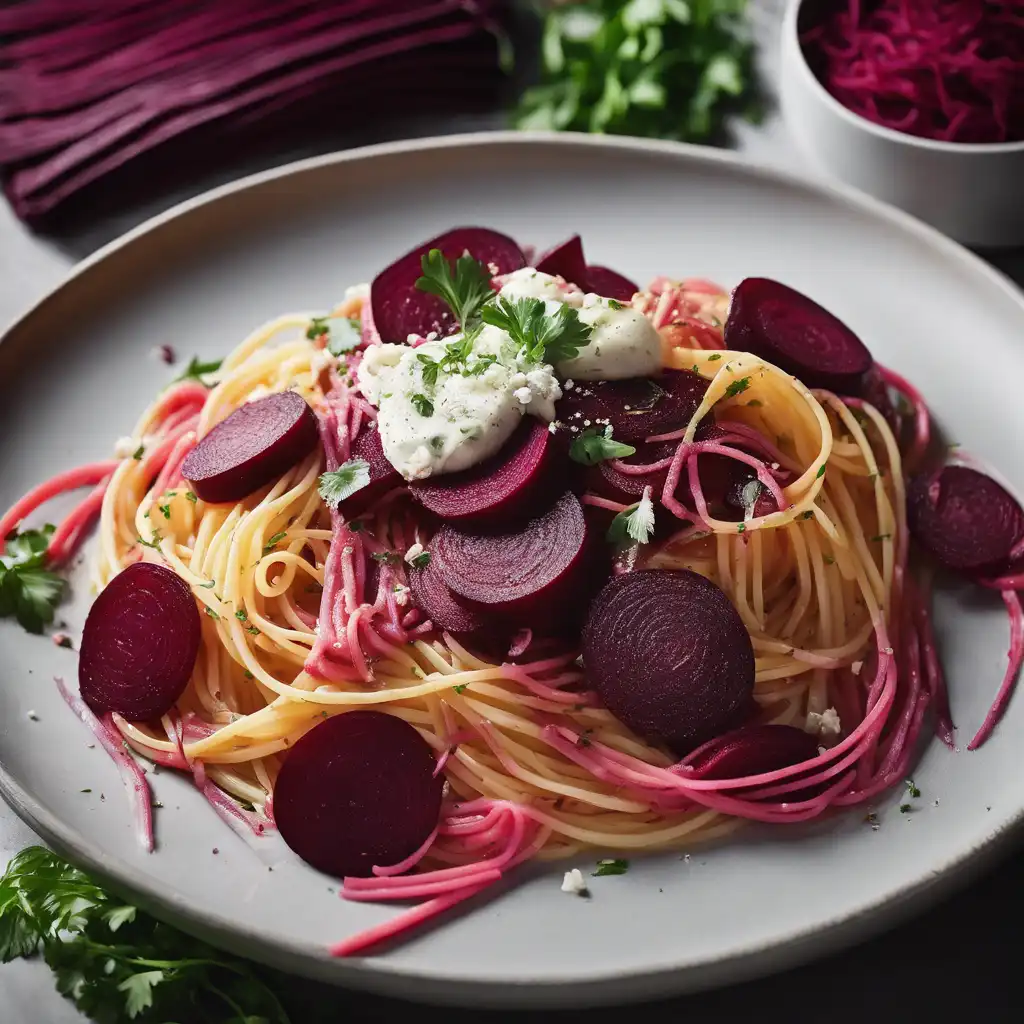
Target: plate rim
(686,973)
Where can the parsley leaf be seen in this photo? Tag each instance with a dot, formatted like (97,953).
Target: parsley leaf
(116,963)
(672,69)
(343,333)
(429,369)
(197,370)
(546,338)
(421,561)
(595,445)
(737,387)
(274,541)
(423,405)
(464,291)
(611,867)
(28,590)
(353,476)
(635,524)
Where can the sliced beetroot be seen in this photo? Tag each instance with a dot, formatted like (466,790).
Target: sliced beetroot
(793,332)
(254,446)
(356,792)
(383,476)
(401,309)
(431,595)
(524,576)
(752,750)
(963,517)
(512,485)
(610,284)
(566,260)
(669,655)
(637,407)
(139,644)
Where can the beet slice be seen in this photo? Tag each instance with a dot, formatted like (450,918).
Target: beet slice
(431,595)
(566,260)
(254,446)
(637,407)
(513,484)
(139,644)
(610,284)
(669,655)
(400,308)
(383,476)
(786,328)
(356,792)
(752,750)
(963,517)
(520,576)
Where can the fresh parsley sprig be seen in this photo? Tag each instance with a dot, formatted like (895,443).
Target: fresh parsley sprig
(116,963)
(671,69)
(343,482)
(464,289)
(198,370)
(28,590)
(595,444)
(542,337)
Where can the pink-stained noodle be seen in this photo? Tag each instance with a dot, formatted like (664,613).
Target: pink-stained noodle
(1016,656)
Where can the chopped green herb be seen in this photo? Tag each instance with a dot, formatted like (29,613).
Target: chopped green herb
(166,510)
(428,369)
(715,357)
(209,585)
(386,557)
(737,387)
(197,370)
(421,561)
(615,304)
(905,808)
(154,543)
(423,405)
(460,687)
(343,482)
(275,540)
(116,963)
(253,630)
(241,615)
(821,472)
(139,452)
(85,791)
(546,338)
(634,524)
(211,613)
(829,560)
(191,496)
(596,445)
(912,789)
(464,290)
(754,403)
(741,528)
(248,674)
(611,867)
(809,514)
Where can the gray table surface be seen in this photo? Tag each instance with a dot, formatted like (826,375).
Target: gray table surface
(957,959)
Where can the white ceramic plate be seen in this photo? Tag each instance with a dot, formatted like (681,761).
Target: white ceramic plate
(77,370)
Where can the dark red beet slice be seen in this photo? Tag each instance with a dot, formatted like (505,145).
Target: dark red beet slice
(521,576)
(383,476)
(669,655)
(513,484)
(251,448)
(785,327)
(431,595)
(401,309)
(963,517)
(566,260)
(610,284)
(637,407)
(357,792)
(139,644)
(752,750)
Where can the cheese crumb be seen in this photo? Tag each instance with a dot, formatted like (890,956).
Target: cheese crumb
(413,553)
(826,724)
(575,883)
(125,447)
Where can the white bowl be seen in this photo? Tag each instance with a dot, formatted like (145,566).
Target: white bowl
(974,193)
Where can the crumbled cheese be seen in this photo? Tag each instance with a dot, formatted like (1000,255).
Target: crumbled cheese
(574,882)
(376,368)
(357,291)
(125,447)
(414,552)
(826,724)
(523,395)
(401,595)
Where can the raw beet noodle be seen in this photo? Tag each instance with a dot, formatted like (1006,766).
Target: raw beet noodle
(611,284)
(669,656)
(566,260)
(523,576)
(786,328)
(638,407)
(513,484)
(356,792)
(963,517)
(254,446)
(752,750)
(951,70)
(634,484)
(401,309)
(431,595)
(383,476)
(139,644)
